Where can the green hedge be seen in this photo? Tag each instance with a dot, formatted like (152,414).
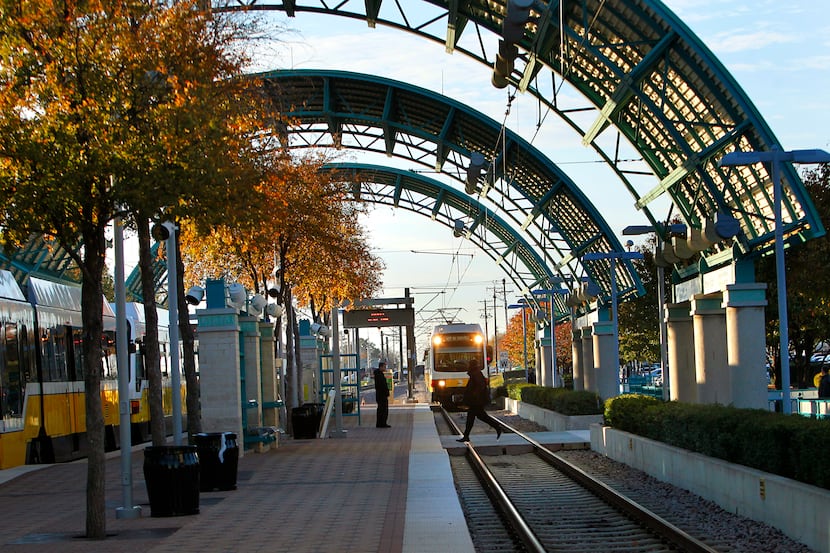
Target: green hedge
(790,446)
(563,401)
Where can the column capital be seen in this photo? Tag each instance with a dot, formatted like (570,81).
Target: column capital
(745,295)
(678,312)
(603,328)
(707,304)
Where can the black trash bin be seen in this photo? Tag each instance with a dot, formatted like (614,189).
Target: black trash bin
(218,460)
(305,420)
(172,477)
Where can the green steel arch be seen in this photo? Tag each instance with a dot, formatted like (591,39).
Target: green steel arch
(414,192)
(645,80)
(336,109)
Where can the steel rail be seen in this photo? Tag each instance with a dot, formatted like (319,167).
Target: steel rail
(497,493)
(640,514)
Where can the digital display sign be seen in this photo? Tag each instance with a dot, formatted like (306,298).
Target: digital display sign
(368,318)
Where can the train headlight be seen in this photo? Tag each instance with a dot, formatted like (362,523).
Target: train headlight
(478,339)
(442,383)
(436,340)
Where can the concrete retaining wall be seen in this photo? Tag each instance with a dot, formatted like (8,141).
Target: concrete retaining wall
(799,510)
(555,422)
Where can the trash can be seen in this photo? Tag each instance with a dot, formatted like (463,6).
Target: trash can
(305,420)
(172,477)
(218,460)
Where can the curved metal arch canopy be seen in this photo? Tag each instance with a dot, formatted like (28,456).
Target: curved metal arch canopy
(641,72)
(334,109)
(428,197)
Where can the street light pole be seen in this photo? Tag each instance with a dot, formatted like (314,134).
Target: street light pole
(775,157)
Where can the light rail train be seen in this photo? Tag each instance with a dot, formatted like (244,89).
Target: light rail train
(452,349)
(42,393)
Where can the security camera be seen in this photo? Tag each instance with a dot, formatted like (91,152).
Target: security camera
(236,295)
(258,303)
(274,310)
(195,295)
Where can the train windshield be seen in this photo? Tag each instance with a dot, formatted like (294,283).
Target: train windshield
(457,361)
(456,352)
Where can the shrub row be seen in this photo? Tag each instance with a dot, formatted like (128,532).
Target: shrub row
(790,446)
(563,401)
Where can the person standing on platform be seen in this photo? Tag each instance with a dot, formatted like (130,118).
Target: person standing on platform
(476,397)
(381,395)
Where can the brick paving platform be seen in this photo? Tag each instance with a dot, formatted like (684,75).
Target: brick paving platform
(375,490)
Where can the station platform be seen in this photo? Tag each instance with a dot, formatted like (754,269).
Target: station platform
(373,490)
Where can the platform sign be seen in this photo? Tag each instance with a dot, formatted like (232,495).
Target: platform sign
(504,361)
(373,318)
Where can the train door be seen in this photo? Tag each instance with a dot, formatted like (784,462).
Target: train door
(63,376)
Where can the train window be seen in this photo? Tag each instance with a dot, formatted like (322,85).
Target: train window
(11,392)
(53,351)
(109,355)
(76,369)
(164,358)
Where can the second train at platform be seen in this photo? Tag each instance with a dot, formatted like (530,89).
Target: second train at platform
(42,395)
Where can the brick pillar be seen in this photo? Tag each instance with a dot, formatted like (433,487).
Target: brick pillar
(606,369)
(219,371)
(576,356)
(270,391)
(711,367)
(681,339)
(745,336)
(249,328)
(588,376)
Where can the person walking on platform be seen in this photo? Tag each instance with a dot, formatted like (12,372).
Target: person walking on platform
(476,397)
(381,395)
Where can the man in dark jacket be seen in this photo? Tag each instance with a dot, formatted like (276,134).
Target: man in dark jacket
(381,395)
(476,397)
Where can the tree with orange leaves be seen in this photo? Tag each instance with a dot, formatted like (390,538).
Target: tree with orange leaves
(111,108)
(299,236)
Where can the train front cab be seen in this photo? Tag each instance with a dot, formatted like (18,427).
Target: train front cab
(447,386)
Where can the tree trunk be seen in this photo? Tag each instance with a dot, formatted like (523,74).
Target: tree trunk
(92,307)
(290,366)
(298,360)
(192,399)
(150,347)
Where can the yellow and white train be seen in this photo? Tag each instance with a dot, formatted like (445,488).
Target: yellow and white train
(453,348)
(42,395)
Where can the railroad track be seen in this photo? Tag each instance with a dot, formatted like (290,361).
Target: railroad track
(544,503)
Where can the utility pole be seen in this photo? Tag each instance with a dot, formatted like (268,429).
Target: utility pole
(495,327)
(486,339)
(504,299)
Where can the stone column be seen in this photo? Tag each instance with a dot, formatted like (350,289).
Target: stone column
(576,357)
(268,375)
(249,328)
(746,342)
(680,337)
(711,367)
(588,377)
(606,368)
(219,371)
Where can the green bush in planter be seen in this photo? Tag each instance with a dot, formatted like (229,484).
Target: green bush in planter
(561,400)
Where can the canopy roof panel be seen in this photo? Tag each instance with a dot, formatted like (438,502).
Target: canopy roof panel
(335,109)
(645,79)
